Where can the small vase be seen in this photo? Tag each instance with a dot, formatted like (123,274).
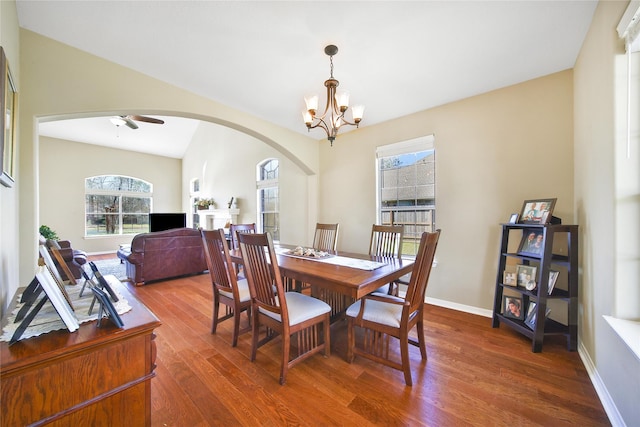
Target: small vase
(211,207)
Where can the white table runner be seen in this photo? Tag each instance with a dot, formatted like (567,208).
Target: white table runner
(361,264)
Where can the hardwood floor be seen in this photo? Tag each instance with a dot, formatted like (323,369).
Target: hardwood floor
(475,375)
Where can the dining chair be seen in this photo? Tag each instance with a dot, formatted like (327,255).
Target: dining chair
(325,237)
(227,288)
(234,229)
(386,242)
(384,316)
(284,313)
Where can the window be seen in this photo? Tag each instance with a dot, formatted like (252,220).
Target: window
(406,184)
(194,196)
(116,205)
(268,199)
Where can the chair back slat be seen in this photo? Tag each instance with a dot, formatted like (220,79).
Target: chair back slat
(326,237)
(421,270)
(262,272)
(219,260)
(234,229)
(386,240)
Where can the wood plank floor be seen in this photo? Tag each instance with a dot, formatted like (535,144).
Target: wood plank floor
(474,376)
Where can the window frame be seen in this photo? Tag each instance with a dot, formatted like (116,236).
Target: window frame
(263,184)
(412,233)
(119,194)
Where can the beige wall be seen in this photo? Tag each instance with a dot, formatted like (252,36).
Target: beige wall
(9,214)
(225,161)
(61,81)
(493,151)
(64,166)
(599,125)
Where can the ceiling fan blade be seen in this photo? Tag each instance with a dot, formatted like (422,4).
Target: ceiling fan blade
(130,122)
(146,119)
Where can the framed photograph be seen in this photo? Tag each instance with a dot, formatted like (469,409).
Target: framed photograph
(513,307)
(553,277)
(8,106)
(510,276)
(532,243)
(514,218)
(530,320)
(107,308)
(537,211)
(526,276)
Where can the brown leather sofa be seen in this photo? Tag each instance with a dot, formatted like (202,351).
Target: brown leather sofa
(163,254)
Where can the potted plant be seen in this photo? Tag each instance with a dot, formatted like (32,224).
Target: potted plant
(204,203)
(48,233)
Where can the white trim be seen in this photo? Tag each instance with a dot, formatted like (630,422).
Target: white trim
(601,390)
(459,307)
(629,26)
(628,330)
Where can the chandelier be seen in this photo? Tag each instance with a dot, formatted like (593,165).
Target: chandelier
(337,105)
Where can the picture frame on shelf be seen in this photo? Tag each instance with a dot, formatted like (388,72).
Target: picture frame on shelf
(510,276)
(532,243)
(530,320)
(526,276)
(8,118)
(513,307)
(537,211)
(513,219)
(553,277)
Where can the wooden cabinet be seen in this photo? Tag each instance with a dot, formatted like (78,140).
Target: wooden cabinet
(94,376)
(557,252)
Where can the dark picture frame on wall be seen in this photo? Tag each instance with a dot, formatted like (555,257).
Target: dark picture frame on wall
(537,211)
(8,107)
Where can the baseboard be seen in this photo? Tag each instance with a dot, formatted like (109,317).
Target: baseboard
(460,307)
(601,390)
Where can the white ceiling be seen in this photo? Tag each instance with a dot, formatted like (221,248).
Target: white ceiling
(262,57)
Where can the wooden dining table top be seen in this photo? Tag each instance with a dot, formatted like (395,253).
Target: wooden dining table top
(350,281)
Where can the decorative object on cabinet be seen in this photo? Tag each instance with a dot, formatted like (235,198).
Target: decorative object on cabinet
(513,219)
(537,211)
(559,253)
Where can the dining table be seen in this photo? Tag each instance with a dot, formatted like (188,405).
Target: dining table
(344,274)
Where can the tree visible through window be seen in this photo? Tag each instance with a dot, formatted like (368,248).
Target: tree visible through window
(116,205)
(406,188)
(268,199)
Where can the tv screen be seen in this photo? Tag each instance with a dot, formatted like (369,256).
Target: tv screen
(166,221)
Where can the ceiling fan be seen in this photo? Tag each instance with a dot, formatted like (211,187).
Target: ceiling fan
(129,120)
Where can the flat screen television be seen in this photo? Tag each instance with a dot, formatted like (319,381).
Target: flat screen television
(167,221)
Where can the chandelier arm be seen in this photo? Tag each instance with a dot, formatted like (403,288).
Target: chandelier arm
(333,116)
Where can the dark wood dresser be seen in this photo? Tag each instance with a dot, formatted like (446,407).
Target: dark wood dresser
(94,376)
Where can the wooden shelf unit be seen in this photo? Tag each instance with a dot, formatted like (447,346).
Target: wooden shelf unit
(565,236)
